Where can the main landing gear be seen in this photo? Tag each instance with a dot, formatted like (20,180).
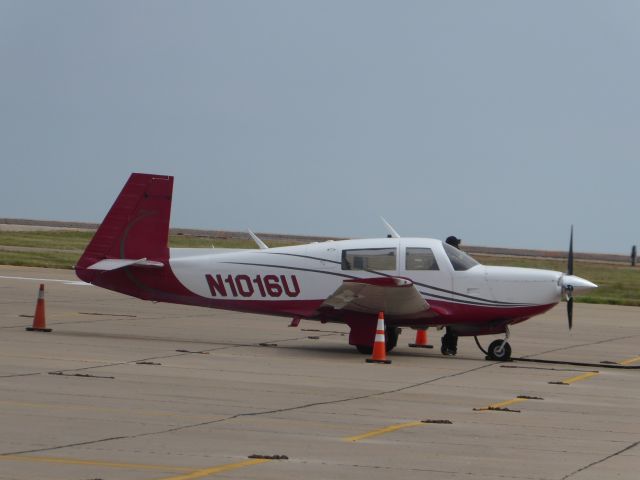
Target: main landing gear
(391,335)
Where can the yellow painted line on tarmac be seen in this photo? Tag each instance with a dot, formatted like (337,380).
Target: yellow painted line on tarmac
(577,378)
(186,473)
(205,472)
(629,361)
(94,463)
(382,431)
(508,402)
(504,404)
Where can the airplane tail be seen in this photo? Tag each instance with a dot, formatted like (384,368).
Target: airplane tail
(135,232)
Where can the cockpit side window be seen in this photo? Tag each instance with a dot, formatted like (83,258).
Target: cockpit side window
(420,259)
(369,259)
(459,260)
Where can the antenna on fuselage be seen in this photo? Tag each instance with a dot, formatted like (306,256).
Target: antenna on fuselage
(392,230)
(260,243)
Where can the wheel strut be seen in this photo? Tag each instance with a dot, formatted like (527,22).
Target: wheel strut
(507,335)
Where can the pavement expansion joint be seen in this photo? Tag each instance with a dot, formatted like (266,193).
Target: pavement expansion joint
(570,347)
(620,365)
(81,375)
(108,314)
(615,454)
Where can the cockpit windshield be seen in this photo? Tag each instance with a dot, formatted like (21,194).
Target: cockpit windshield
(459,260)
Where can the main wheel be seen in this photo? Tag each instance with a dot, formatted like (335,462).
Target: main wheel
(499,350)
(391,337)
(390,341)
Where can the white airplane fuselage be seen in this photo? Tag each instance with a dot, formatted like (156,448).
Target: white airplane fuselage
(304,276)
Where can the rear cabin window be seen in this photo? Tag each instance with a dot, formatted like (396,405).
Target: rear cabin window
(420,259)
(459,260)
(369,259)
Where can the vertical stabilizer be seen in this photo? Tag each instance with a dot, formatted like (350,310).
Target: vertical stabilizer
(137,225)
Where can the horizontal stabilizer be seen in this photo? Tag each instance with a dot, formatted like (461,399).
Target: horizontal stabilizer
(116,263)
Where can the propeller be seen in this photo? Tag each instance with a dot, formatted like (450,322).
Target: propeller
(570,283)
(569,288)
(570,307)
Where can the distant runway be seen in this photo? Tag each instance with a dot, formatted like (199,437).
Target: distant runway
(125,389)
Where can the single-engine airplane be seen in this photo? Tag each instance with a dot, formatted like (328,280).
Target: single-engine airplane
(416,282)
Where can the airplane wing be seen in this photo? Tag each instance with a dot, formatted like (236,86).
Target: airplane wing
(396,297)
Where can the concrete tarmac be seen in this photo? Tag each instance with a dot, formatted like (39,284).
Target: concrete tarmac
(124,389)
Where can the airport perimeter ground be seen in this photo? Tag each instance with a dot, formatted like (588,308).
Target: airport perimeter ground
(125,389)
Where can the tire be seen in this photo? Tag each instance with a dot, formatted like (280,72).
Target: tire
(498,352)
(391,338)
(390,341)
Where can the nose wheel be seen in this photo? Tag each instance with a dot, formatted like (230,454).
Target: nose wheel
(498,350)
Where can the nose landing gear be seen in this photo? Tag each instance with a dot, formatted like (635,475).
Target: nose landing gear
(499,350)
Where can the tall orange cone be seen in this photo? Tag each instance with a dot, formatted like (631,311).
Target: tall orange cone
(379,347)
(422,339)
(39,322)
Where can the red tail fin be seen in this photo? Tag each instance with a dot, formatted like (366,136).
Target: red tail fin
(137,226)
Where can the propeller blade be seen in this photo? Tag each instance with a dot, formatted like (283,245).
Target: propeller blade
(570,259)
(569,286)
(570,311)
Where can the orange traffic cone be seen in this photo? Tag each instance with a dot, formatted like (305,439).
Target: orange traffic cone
(39,323)
(422,339)
(379,347)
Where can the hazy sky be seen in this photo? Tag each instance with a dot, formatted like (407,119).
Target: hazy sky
(502,122)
